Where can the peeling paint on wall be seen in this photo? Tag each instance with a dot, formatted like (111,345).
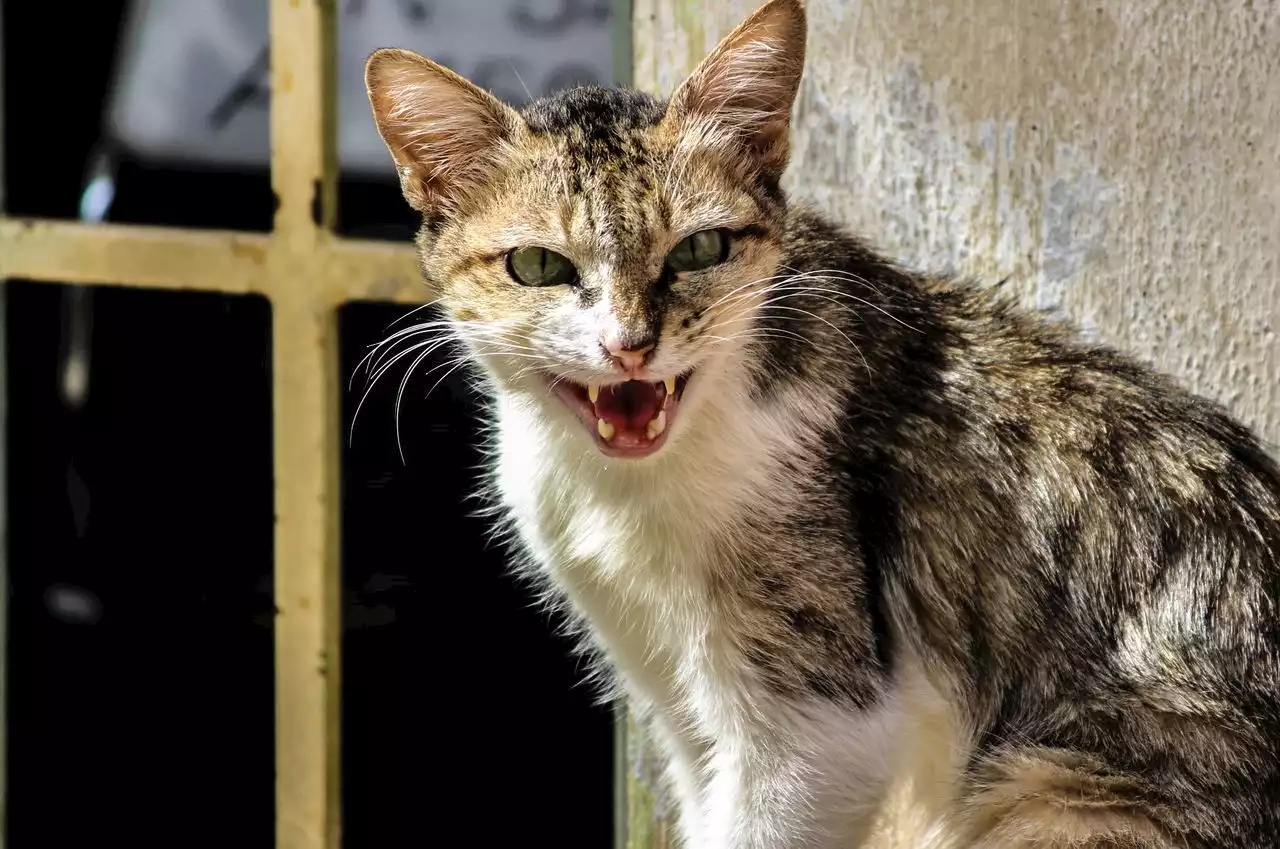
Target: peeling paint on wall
(1118,161)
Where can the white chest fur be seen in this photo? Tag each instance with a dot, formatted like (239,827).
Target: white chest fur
(634,552)
(629,547)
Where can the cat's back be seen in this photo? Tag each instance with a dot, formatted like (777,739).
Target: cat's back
(1093,556)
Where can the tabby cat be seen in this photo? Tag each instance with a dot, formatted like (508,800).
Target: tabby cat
(883,560)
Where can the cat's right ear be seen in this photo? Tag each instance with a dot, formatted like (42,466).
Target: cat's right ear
(742,93)
(442,130)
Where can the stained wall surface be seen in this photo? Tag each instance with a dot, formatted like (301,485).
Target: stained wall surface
(1117,161)
(1120,161)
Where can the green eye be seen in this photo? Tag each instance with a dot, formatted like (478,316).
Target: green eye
(699,251)
(540,267)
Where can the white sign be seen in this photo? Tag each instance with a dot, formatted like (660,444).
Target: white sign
(194,74)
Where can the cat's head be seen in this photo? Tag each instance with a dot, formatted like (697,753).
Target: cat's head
(601,252)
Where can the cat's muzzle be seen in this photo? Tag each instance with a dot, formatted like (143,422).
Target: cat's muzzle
(629,418)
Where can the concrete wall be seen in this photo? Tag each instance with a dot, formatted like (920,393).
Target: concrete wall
(1120,160)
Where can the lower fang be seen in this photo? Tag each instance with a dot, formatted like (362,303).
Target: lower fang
(606,429)
(657,425)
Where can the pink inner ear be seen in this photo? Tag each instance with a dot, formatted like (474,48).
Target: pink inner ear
(440,128)
(748,84)
(754,77)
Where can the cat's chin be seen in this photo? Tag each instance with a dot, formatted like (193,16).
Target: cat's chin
(629,419)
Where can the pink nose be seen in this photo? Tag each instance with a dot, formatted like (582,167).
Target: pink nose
(630,359)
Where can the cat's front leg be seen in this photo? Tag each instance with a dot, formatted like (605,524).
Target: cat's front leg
(684,775)
(758,801)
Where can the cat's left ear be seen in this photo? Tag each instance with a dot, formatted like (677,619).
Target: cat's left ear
(443,131)
(742,93)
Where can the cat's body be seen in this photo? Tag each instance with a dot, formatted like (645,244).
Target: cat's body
(973,555)
(894,564)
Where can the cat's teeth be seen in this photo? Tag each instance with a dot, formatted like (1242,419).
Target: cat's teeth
(593,392)
(657,424)
(671,385)
(606,429)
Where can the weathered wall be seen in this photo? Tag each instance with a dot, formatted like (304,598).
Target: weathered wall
(1120,160)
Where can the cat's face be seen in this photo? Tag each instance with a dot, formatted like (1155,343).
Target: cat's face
(601,253)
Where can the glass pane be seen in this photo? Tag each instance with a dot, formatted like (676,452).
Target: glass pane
(169,120)
(166,124)
(140,707)
(515,48)
(458,694)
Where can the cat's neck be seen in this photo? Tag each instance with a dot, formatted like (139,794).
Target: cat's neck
(738,464)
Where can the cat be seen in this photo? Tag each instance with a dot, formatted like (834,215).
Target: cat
(882,559)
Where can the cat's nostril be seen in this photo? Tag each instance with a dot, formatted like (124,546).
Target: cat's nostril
(631,360)
(627,353)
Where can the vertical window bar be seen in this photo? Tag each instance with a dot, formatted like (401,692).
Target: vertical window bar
(305,410)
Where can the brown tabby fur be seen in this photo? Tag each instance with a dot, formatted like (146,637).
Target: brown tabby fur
(917,568)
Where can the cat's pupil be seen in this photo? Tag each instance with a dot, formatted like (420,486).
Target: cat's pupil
(701,250)
(533,266)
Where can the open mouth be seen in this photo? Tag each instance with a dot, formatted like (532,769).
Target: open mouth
(627,419)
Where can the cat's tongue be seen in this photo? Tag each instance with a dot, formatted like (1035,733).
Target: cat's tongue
(630,406)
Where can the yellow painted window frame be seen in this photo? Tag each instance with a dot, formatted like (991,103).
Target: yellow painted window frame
(307,272)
